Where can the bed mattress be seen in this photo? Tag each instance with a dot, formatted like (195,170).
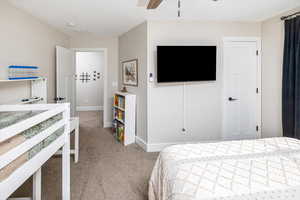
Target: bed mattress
(7,119)
(249,169)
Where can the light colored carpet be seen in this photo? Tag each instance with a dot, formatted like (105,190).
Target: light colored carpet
(106,169)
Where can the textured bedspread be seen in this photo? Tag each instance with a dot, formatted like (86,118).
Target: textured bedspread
(249,169)
(7,119)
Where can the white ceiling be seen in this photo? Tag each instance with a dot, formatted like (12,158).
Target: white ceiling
(114,17)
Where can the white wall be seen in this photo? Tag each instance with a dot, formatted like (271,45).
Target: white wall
(272,61)
(203,99)
(26,41)
(133,45)
(111,44)
(90,93)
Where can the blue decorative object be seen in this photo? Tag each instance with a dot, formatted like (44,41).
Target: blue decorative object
(22,72)
(21,78)
(22,67)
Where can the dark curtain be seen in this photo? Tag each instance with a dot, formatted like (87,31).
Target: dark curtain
(291,79)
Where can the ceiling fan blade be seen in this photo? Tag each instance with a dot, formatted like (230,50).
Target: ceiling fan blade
(153,4)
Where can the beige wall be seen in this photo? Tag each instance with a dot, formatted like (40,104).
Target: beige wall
(203,114)
(26,41)
(272,60)
(111,44)
(133,45)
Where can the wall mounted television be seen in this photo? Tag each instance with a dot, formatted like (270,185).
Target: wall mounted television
(186,63)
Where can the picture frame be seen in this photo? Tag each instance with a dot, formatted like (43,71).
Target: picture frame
(130,72)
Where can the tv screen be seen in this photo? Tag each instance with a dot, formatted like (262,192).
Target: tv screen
(186,63)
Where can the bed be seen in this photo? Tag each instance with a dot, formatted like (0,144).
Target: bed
(233,170)
(29,136)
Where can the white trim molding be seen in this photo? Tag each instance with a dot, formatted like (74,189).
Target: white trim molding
(107,125)
(89,108)
(241,39)
(141,143)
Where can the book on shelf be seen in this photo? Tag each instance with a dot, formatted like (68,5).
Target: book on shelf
(124,111)
(119,133)
(119,101)
(114,126)
(119,115)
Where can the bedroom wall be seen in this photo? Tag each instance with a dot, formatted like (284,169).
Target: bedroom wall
(133,45)
(87,40)
(26,41)
(203,99)
(272,60)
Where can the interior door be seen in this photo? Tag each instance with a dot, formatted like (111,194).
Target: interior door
(241,90)
(65,77)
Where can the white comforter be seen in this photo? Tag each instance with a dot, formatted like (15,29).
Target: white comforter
(266,169)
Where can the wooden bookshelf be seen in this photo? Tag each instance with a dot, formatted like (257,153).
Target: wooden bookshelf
(124,117)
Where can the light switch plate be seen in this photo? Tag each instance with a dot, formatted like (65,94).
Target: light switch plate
(151,77)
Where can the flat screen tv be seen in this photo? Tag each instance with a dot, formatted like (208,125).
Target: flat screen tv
(186,63)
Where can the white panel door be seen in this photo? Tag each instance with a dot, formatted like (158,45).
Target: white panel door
(167,119)
(241,109)
(65,77)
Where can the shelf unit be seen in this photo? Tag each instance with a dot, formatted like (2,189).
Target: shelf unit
(20,80)
(124,122)
(38,91)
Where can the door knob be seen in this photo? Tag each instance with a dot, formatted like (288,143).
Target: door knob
(232,99)
(59,99)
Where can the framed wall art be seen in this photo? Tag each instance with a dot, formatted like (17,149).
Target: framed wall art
(130,72)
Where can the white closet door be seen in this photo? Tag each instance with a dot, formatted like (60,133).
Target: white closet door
(166,111)
(241,80)
(65,77)
(203,111)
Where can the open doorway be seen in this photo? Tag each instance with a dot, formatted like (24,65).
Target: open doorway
(91,81)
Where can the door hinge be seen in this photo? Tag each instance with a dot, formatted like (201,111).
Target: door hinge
(257,91)
(257,52)
(257,128)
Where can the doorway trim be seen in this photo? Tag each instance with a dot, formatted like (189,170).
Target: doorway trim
(257,40)
(106,124)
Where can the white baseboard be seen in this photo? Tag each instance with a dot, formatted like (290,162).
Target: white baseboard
(158,147)
(154,147)
(107,124)
(89,108)
(141,143)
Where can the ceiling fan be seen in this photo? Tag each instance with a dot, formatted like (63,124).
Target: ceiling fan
(150,4)
(153,4)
